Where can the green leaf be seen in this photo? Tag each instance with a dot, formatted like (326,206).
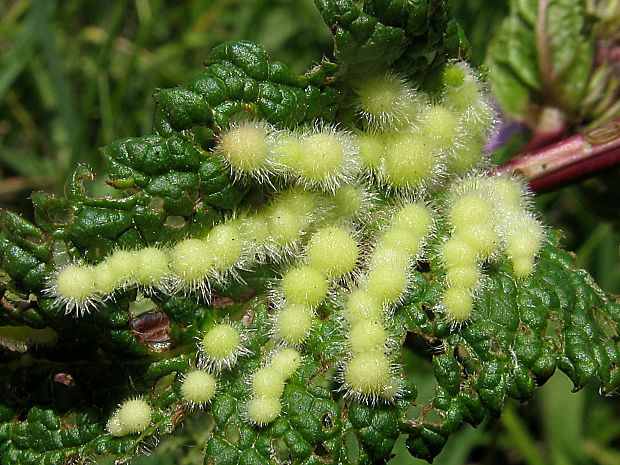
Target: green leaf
(521,332)
(240,82)
(59,397)
(412,37)
(542,54)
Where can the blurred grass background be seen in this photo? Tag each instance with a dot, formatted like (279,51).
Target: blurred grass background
(77,74)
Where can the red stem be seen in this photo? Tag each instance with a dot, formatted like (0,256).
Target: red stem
(569,159)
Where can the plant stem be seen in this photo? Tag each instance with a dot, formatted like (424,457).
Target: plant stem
(569,159)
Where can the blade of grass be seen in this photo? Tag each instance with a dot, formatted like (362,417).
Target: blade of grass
(607,256)
(460,445)
(25,43)
(521,438)
(111,24)
(18,184)
(12,16)
(71,138)
(137,51)
(588,248)
(562,416)
(107,115)
(27,164)
(19,112)
(601,455)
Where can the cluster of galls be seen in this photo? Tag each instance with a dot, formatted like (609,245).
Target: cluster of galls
(318,229)
(272,233)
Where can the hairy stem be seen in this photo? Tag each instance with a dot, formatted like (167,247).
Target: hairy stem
(569,159)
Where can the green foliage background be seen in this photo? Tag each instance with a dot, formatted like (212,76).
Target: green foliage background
(75,75)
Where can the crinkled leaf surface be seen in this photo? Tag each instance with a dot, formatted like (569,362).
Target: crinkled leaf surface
(411,37)
(520,333)
(240,81)
(57,399)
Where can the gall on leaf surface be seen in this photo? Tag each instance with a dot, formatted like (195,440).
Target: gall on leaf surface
(145,342)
